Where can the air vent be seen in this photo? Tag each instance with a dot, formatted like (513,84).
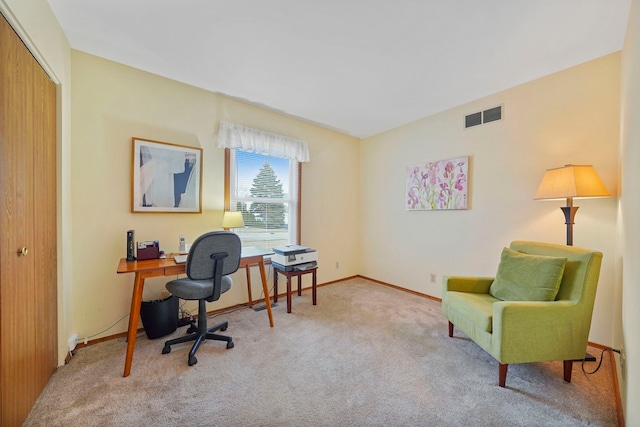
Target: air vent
(492,114)
(486,116)
(474,119)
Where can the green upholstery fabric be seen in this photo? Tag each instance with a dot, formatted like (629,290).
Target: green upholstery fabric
(477,307)
(525,277)
(528,331)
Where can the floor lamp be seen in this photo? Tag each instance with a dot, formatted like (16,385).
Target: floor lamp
(569,182)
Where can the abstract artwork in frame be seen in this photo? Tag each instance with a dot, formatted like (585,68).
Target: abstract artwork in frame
(166,177)
(438,185)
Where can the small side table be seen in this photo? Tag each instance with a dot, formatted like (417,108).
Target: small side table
(289,275)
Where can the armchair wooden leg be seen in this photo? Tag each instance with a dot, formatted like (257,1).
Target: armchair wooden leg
(450,329)
(502,374)
(568,367)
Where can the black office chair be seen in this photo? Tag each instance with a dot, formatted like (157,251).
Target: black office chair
(212,257)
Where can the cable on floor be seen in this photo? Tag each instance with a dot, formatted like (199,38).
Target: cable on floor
(613,350)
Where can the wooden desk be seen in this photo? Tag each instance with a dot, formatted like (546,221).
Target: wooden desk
(253,255)
(289,275)
(167,267)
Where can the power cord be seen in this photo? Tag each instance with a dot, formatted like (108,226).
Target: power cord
(183,313)
(220,313)
(260,308)
(613,350)
(86,338)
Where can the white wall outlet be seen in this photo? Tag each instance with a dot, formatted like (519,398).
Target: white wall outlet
(72,342)
(623,360)
(432,278)
(337,265)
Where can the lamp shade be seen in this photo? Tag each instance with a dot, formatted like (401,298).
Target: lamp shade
(571,181)
(232,219)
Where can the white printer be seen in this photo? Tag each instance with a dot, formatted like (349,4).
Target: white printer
(294,257)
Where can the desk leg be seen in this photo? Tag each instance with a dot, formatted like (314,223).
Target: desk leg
(313,287)
(247,268)
(134,314)
(299,284)
(265,288)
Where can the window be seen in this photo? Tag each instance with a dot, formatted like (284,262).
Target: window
(262,180)
(266,190)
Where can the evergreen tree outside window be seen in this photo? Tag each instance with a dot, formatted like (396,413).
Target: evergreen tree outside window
(265,190)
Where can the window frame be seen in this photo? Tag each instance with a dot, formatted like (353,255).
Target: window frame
(227,193)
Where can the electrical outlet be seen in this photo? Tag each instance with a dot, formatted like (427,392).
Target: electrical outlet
(623,360)
(72,342)
(337,265)
(432,278)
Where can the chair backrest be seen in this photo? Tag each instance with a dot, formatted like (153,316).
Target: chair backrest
(201,263)
(581,272)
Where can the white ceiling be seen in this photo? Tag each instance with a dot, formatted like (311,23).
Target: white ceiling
(360,67)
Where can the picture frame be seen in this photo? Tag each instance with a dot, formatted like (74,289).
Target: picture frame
(165,177)
(438,185)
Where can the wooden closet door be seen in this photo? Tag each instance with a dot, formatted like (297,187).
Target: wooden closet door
(28,282)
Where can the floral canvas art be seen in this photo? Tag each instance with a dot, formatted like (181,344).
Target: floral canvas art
(438,185)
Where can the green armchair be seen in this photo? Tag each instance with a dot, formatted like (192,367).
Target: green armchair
(526,331)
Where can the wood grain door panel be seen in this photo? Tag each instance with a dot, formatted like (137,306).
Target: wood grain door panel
(28,283)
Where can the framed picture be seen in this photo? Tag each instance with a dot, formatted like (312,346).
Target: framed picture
(166,177)
(438,185)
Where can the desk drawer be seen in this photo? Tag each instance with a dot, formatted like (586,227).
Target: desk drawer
(170,271)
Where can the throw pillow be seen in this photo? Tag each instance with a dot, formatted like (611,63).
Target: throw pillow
(525,277)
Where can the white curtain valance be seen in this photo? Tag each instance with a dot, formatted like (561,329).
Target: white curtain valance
(244,138)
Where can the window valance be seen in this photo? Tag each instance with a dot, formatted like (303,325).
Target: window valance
(244,138)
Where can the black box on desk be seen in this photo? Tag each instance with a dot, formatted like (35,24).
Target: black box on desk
(159,317)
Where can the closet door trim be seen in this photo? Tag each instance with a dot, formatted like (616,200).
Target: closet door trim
(24,36)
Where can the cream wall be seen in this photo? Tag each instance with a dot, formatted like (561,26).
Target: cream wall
(629,228)
(568,117)
(111,103)
(36,25)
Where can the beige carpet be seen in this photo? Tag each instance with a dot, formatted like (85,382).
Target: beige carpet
(366,355)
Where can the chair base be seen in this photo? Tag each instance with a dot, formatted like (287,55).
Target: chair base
(200,334)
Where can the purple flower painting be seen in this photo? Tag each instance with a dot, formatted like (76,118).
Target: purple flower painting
(438,185)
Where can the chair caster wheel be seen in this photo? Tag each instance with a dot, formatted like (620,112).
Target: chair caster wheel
(166,349)
(190,330)
(230,344)
(223,329)
(192,361)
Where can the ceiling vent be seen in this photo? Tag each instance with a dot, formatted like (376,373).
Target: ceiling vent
(482,117)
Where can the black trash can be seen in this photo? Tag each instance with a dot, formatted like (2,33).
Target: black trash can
(159,317)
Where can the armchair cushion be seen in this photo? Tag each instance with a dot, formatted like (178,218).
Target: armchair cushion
(524,277)
(477,308)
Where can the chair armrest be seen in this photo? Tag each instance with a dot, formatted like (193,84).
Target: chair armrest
(476,285)
(539,330)
(529,314)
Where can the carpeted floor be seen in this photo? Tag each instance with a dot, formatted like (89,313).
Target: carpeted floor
(366,355)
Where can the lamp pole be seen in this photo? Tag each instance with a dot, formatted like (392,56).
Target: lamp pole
(569,214)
